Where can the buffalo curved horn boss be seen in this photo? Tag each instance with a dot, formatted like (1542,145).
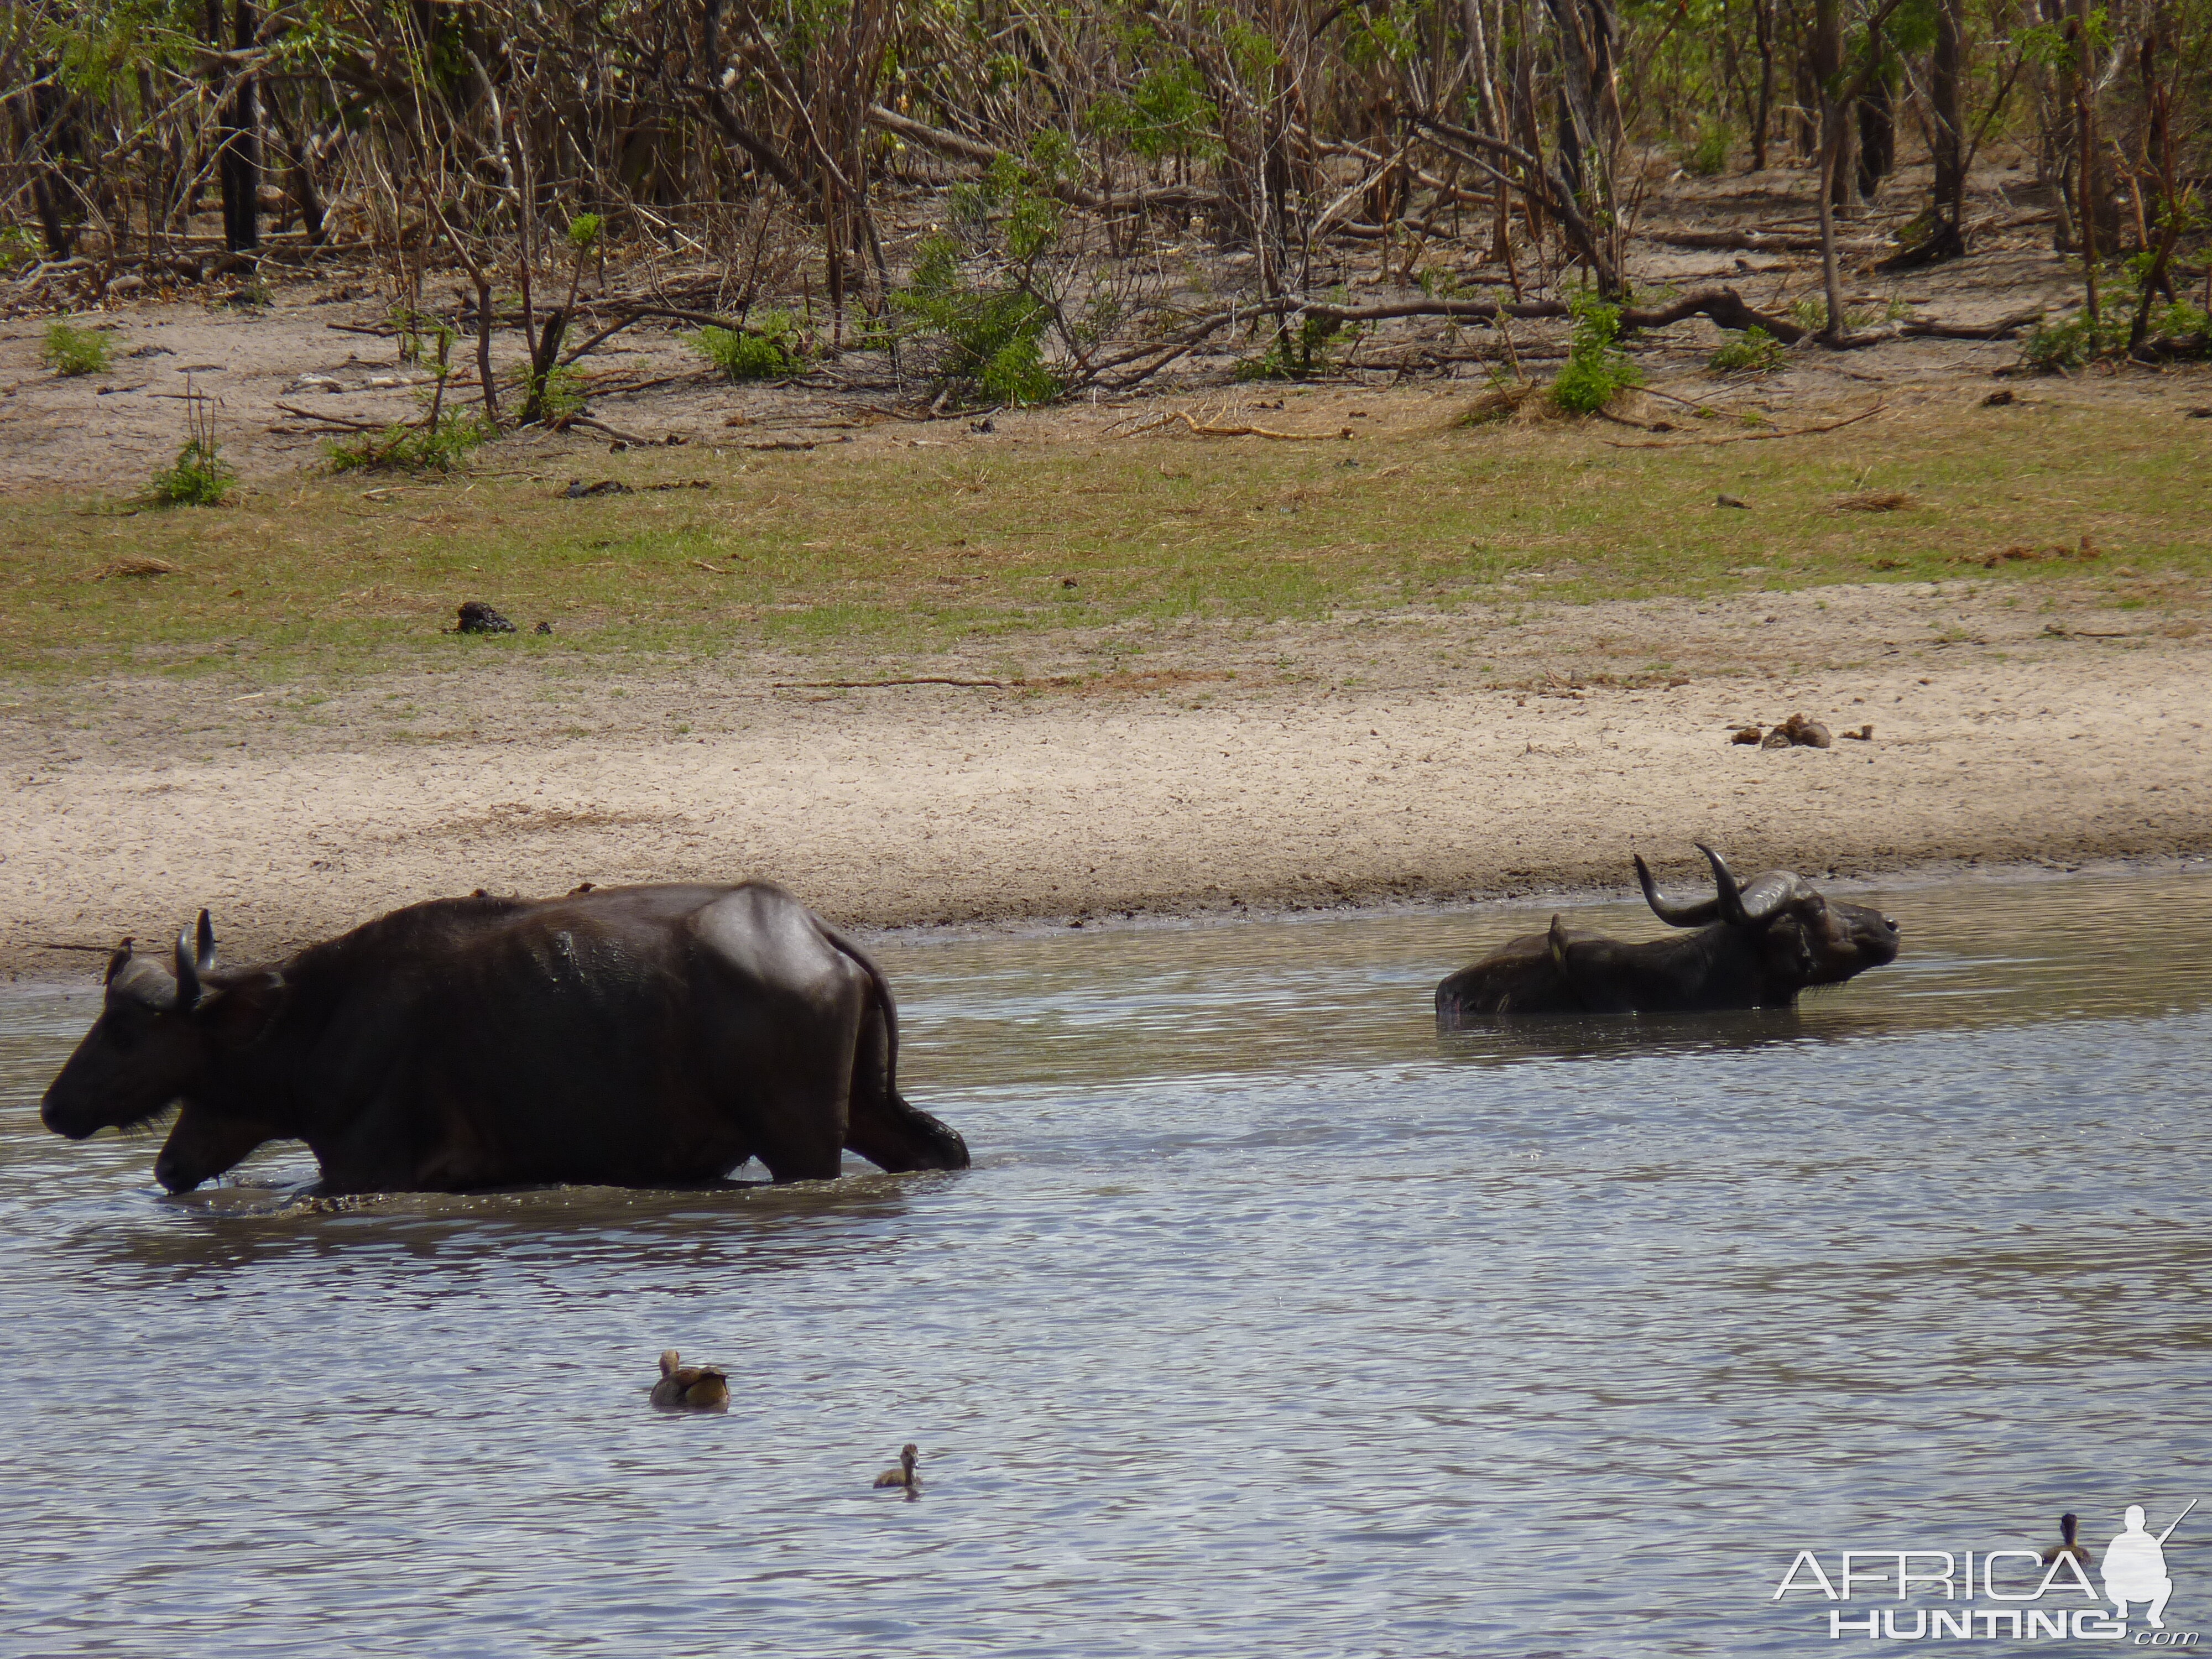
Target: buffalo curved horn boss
(1747,906)
(1675,913)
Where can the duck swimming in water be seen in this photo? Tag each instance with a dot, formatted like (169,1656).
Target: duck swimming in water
(689,1388)
(2066,1546)
(904,1475)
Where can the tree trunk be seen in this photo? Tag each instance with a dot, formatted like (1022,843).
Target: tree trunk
(1762,17)
(238,155)
(1877,133)
(1825,57)
(1945,67)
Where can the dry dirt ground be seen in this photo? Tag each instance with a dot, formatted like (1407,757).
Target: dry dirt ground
(1294,765)
(1995,740)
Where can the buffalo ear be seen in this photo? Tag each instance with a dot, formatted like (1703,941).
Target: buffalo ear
(237,1015)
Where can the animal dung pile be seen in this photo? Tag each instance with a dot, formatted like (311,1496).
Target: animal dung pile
(478,618)
(1874,501)
(1795,733)
(140,568)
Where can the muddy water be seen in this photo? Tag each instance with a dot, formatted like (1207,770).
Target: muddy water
(1267,1324)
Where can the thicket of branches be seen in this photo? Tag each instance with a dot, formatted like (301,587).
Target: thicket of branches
(990,183)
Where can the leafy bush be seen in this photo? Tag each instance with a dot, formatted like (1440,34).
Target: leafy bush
(18,247)
(563,394)
(1710,154)
(991,330)
(438,445)
(1300,353)
(1596,369)
(1754,351)
(200,477)
(1168,113)
(76,351)
(2054,348)
(767,351)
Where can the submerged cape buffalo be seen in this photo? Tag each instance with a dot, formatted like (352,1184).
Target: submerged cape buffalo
(635,1036)
(1756,946)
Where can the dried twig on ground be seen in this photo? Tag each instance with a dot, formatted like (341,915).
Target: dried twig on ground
(1749,437)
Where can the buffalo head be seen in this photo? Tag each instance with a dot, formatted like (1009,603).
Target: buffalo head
(158,1030)
(1801,935)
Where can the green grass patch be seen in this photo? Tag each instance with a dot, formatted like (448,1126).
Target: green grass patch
(76,351)
(860,552)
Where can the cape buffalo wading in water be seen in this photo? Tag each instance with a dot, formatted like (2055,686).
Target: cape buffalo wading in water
(636,1036)
(1757,945)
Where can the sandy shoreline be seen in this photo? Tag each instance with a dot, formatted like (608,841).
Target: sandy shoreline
(919,807)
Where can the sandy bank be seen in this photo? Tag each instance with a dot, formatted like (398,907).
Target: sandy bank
(940,805)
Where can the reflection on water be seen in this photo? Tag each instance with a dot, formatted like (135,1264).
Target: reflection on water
(1268,1322)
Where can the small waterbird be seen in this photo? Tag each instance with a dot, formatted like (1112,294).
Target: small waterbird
(904,1475)
(2066,1544)
(689,1388)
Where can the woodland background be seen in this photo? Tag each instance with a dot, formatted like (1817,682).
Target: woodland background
(1007,203)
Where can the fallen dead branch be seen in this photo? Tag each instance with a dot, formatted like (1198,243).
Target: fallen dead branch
(1212,428)
(871,685)
(1749,437)
(342,422)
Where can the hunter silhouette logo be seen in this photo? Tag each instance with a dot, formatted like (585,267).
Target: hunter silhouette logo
(2020,1595)
(2135,1566)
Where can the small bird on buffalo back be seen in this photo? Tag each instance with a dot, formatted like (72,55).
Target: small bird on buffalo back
(2066,1546)
(689,1388)
(904,1475)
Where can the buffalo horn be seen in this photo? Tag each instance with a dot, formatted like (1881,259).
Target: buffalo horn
(1731,901)
(1675,913)
(1765,899)
(188,974)
(118,961)
(203,944)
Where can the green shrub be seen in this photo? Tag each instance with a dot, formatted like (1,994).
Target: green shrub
(437,445)
(2054,348)
(1596,369)
(1168,114)
(1754,351)
(565,392)
(1710,154)
(1300,353)
(19,247)
(768,350)
(992,336)
(76,351)
(200,478)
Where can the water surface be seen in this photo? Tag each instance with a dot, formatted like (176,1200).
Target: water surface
(1268,1322)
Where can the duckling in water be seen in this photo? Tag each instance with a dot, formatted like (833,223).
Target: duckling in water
(689,1388)
(2066,1546)
(904,1475)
